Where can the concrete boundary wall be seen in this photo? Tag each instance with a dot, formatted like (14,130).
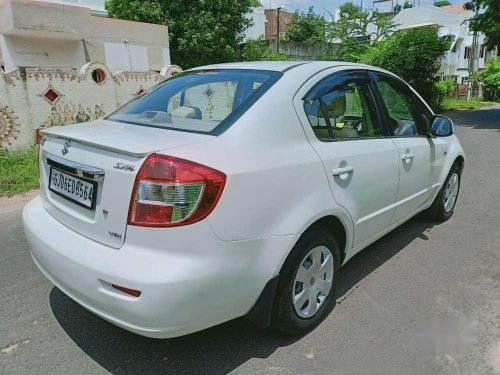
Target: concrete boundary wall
(35,98)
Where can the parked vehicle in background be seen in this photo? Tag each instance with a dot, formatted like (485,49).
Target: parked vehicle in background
(236,190)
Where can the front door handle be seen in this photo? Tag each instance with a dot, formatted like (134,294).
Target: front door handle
(407,157)
(343,170)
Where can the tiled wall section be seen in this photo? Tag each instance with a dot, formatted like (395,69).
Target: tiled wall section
(35,98)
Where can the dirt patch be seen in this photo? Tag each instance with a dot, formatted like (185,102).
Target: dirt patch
(16,202)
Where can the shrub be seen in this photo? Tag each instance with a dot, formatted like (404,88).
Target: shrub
(258,50)
(442,91)
(442,3)
(414,55)
(490,78)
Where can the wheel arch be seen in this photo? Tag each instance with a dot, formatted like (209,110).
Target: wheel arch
(260,314)
(337,228)
(460,161)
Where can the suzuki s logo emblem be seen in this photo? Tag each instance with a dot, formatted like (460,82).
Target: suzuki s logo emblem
(67,145)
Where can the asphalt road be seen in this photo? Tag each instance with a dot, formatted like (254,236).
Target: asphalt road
(402,304)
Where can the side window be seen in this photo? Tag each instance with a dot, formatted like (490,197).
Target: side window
(342,110)
(317,119)
(406,117)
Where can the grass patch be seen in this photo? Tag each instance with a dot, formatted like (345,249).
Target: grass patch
(18,171)
(461,105)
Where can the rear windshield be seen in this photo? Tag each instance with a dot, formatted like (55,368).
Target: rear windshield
(203,101)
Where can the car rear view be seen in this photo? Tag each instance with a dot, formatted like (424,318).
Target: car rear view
(119,223)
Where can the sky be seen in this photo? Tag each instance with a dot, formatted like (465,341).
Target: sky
(320,6)
(330,5)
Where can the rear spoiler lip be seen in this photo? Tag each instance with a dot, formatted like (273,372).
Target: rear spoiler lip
(122,151)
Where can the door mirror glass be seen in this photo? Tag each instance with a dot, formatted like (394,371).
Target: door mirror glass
(441,126)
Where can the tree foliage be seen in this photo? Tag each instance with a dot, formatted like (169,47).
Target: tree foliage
(307,28)
(442,3)
(487,21)
(414,55)
(201,31)
(355,30)
(490,78)
(258,50)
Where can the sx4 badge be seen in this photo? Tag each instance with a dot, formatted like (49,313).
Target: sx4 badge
(124,167)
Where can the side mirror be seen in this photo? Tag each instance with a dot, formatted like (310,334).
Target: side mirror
(441,126)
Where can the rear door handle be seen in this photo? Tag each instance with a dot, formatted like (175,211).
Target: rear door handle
(407,157)
(344,170)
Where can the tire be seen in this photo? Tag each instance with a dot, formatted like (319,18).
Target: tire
(317,243)
(442,208)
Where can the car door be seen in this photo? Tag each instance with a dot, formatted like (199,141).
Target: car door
(406,119)
(344,128)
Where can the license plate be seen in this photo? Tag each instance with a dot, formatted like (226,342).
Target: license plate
(75,189)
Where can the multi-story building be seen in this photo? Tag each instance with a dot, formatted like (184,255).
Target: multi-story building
(450,20)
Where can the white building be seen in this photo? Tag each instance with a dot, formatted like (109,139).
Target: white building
(48,34)
(448,20)
(96,6)
(61,64)
(387,6)
(258,27)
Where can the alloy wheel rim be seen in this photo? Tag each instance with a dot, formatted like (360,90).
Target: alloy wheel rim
(313,282)
(451,192)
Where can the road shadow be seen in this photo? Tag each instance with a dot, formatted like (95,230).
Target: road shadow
(217,350)
(371,258)
(484,118)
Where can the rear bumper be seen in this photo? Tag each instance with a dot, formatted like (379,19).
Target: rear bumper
(189,279)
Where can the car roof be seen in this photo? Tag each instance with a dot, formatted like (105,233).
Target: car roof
(280,66)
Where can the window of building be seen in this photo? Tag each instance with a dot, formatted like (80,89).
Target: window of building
(99,76)
(467,52)
(483,52)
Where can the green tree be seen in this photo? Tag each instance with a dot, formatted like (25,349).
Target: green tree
(487,20)
(407,5)
(490,78)
(307,28)
(442,3)
(414,55)
(356,30)
(258,50)
(201,31)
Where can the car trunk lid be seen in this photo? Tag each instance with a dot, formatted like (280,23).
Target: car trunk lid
(103,156)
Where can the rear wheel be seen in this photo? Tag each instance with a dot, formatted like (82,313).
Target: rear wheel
(443,206)
(305,293)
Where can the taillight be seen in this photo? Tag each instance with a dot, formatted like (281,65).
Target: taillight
(170,192)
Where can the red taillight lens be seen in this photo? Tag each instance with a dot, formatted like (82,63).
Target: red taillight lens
(171,192)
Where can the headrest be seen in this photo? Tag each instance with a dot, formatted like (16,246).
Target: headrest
(337,106)
(187,112)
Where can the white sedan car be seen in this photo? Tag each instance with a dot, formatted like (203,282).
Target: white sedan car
(236,190)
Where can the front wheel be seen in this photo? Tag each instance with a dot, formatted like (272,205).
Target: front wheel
(305,293)
(443,206)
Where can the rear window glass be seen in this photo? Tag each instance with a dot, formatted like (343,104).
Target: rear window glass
(206,101)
